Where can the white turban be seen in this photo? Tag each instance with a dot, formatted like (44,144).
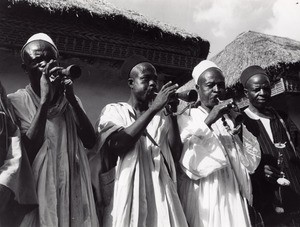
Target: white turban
(38,36)
(201,68)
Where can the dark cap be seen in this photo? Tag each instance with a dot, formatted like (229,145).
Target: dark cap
(130,62)
(251,71)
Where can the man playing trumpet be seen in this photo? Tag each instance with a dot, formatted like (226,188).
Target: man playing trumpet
(55,131)
(134,156)
(214,183)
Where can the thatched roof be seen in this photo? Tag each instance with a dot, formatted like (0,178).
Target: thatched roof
(95,29)
(254,48)
(277,55)
(102,9)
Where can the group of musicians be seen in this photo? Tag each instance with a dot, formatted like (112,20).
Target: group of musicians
(212,165)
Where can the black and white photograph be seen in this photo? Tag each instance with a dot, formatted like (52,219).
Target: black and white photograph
(162,113)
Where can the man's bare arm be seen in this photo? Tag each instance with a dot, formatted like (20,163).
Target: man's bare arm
(85,129)
(34,137)
(121,142)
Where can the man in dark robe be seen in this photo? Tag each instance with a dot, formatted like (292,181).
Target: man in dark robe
(276,181)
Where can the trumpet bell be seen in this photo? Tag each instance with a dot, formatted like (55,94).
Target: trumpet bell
(73,71)
(187,96)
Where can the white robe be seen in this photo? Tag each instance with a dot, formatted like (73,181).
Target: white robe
(15,173)
(208,185)
(51,167)
(142,192)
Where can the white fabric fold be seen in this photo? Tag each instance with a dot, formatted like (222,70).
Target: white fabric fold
(51,166)
(144,194)
(215,182)
(202,151)
(15,169)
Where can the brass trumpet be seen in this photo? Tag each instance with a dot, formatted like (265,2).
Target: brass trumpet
(72,71)
(189,96)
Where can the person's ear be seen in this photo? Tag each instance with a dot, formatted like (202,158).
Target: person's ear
(24,67)
(246,92)
(130,82)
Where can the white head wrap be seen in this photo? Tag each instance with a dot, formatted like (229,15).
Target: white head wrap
(201,68)
(36,37)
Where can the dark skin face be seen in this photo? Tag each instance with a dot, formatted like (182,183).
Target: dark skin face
(36,55)
(210,87)
(143,83)
(258,91)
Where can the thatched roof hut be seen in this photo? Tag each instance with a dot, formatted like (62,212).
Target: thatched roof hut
(254,48)
(97,29)
(99,9)
(278,55)
(97,36)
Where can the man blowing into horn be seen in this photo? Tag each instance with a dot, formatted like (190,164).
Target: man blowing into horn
(136,143)
(214,183)
(55,131)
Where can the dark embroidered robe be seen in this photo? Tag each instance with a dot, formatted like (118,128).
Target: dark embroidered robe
(264,192)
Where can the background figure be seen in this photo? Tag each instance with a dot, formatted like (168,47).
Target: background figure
(279,205)
(134,159)
(17,193)
(214,182)
(55,131)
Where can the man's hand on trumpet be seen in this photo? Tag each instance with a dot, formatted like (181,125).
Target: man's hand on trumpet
(163,96)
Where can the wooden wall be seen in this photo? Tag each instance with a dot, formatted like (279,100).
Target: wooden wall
(99,84)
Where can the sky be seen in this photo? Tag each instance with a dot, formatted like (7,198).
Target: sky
(221,21)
